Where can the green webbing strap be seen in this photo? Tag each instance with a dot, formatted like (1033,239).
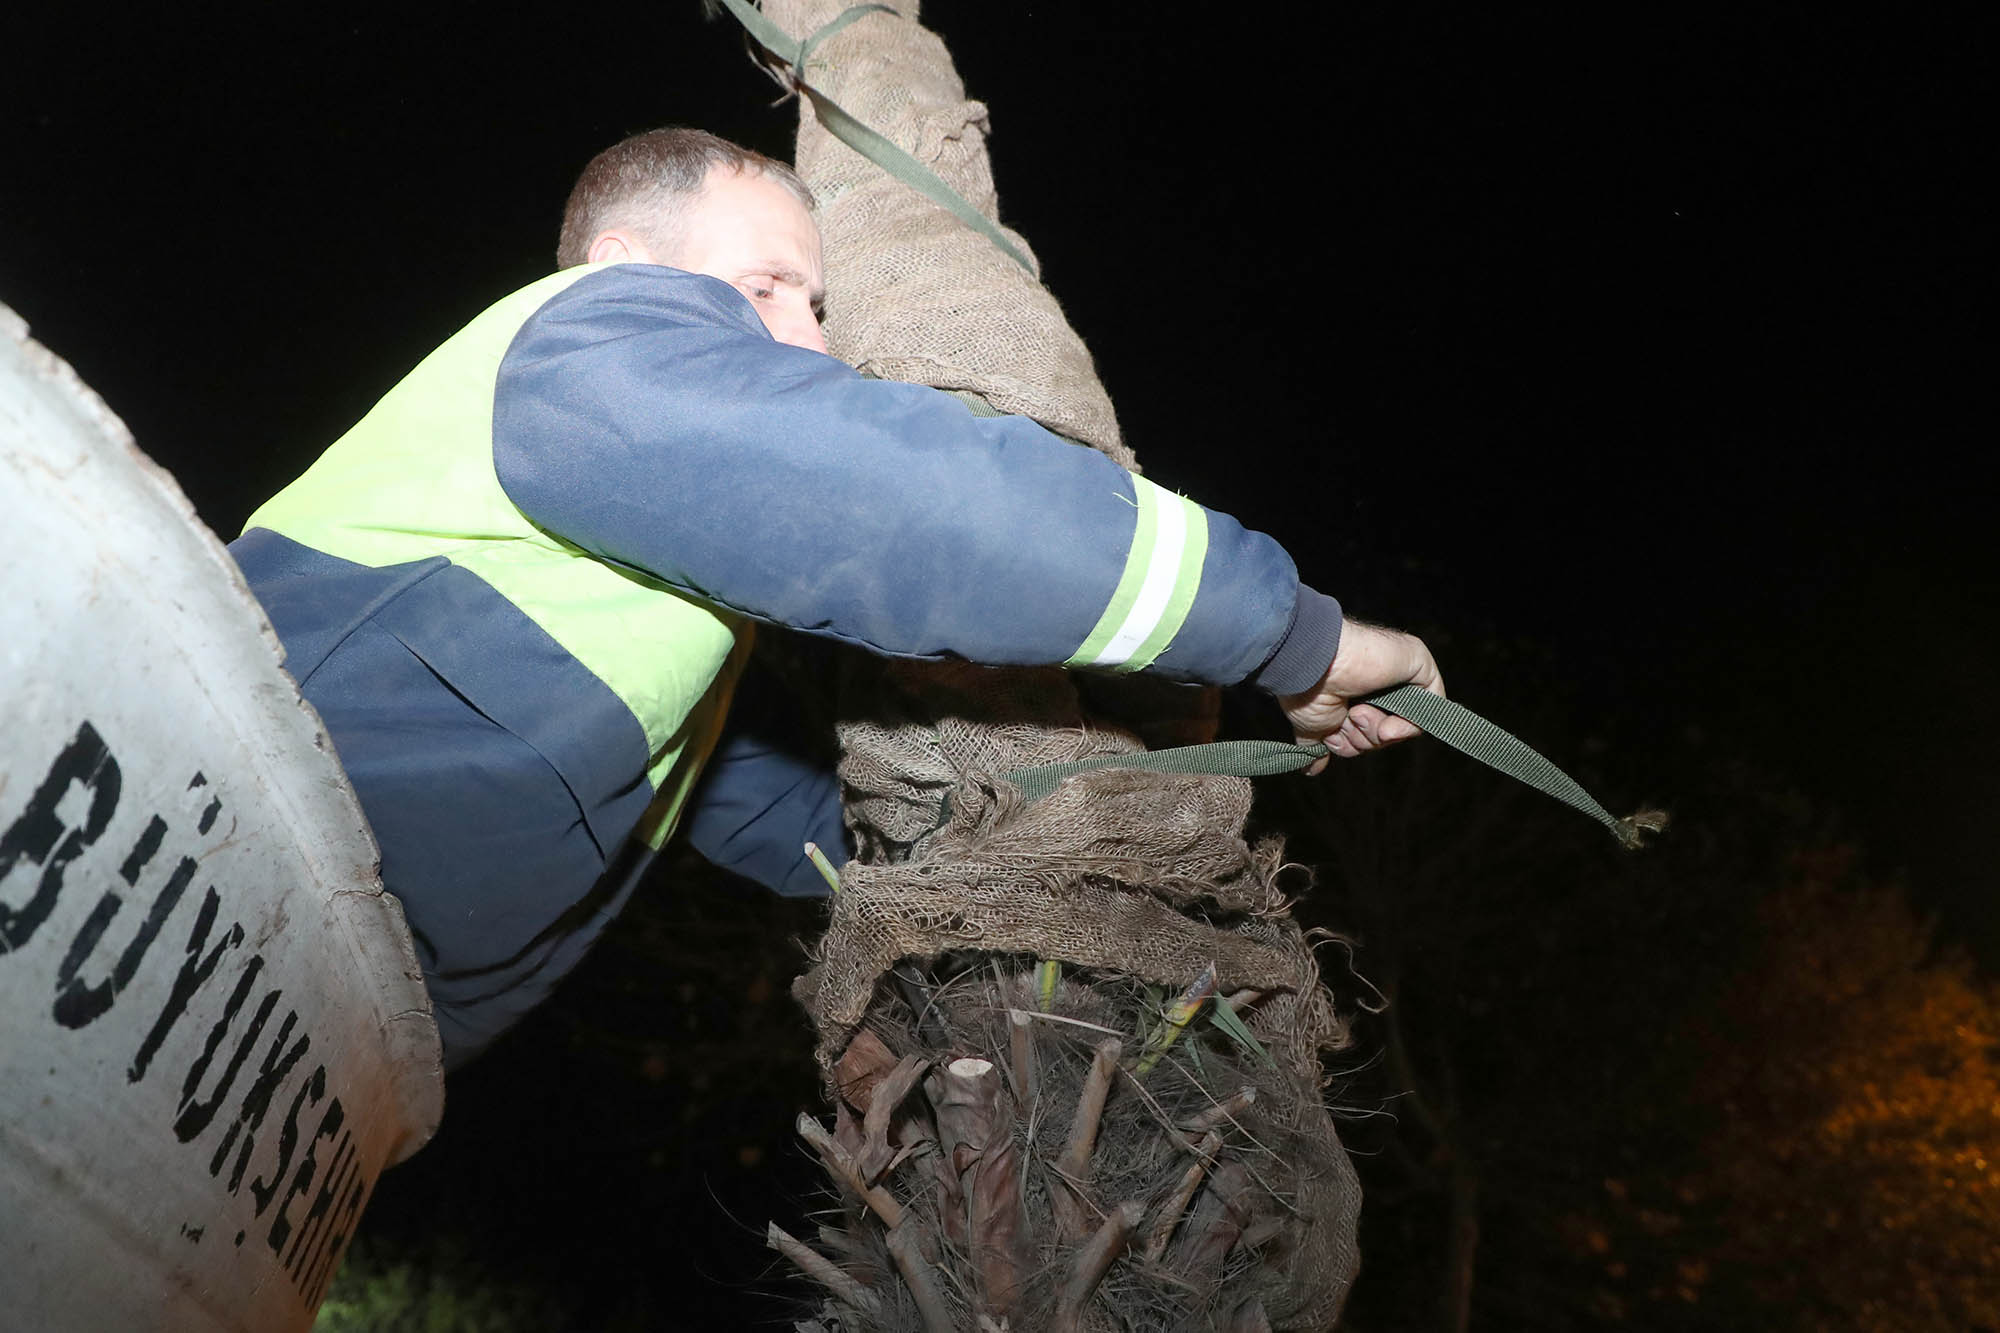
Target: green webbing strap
(1467,732)
(1454,724)
(856,135)
(1234,759)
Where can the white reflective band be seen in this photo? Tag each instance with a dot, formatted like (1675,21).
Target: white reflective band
(1162,573)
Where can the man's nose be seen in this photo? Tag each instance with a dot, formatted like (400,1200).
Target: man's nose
(802,331)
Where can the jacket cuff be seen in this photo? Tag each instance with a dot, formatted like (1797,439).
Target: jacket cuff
(1307,649)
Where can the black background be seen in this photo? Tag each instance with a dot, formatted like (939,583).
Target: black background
(1655,338)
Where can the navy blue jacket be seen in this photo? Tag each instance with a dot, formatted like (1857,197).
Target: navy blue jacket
(520,591)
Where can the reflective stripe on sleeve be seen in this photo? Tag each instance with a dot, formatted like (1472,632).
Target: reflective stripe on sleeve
(1162,573)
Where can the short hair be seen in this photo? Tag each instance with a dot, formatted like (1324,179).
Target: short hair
(648,182)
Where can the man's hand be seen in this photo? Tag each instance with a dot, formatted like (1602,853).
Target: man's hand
(1371,658)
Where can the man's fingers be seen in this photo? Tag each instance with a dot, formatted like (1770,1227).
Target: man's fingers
(1356,738)
(1395,729)
(1370,659)
(1375,728)
(1363,731)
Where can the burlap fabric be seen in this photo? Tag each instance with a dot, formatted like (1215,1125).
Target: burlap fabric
(927,725)
(1119,870)
(921,297)
(1142,874)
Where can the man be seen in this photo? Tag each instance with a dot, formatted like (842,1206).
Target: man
(520,590)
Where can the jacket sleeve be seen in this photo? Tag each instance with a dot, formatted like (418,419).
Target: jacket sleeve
(763,796)
(646,416)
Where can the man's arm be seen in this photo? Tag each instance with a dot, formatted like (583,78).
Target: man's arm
(646,416)
(764,794)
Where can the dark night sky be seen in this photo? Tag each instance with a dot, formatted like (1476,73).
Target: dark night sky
(1645,336)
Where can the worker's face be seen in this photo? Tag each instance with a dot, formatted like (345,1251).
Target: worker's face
(751,232)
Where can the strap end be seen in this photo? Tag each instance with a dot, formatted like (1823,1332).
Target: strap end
(1631,831)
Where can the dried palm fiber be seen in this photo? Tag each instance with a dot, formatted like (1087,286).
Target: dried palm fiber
(1002,1167)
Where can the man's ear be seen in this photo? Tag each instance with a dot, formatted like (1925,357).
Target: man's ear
(618,246)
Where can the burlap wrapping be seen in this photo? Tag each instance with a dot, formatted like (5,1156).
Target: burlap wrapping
(921,297)
(1118,870)
(1142,874)
(928,724)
